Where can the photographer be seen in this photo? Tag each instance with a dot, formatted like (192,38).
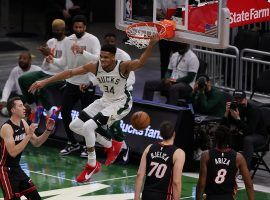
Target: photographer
(207,99)
(246,121)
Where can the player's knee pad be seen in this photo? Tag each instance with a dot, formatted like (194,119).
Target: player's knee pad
(116,131)
(104,132)
(33,195)
(100,119)
(84,116)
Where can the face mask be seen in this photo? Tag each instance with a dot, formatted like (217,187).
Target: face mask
(79,35)
(182,51)
(57,35)
(23,65)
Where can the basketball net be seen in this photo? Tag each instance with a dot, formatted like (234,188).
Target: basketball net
(139,34)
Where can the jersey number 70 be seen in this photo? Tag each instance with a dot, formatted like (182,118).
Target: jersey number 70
(158,169)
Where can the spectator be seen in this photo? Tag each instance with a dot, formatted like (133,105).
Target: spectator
(246,119)
(207,99)
(12,87)
(181,75)
(54,47)
(165,10)
(81,47)
(218,169)
(161,165)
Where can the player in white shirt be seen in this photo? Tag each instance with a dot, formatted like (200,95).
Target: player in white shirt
(81,48)
(12,87)
(181,76)
(54,47)
(112,106)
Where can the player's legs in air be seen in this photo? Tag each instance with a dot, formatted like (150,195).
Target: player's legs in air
(114,134)
(100,113)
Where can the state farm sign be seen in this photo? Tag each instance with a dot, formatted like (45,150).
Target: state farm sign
(244,12)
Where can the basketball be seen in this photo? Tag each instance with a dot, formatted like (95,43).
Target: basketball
(140,120)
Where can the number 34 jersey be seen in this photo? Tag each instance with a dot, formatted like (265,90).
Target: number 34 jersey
(113,83)
(159,169)
(221,172)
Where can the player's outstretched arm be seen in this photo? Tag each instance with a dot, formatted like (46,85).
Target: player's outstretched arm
(141,174)
(139,63)
(90,67)
(242,166)
(202,175)
(37,141)
(178,160)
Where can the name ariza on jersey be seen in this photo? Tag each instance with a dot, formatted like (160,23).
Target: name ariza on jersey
(222,161)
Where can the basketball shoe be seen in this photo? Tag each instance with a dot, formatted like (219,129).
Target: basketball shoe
(113,152)
(88,171)
(69,148)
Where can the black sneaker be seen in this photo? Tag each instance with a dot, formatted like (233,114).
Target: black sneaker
(70,148)
(84,153)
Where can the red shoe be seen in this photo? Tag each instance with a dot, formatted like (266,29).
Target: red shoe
(88,171)
(113,152)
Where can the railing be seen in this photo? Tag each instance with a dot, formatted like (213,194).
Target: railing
(233,70)
(252,64)
(222,67)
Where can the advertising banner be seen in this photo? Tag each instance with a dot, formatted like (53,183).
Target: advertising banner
(136,139)
(244,12)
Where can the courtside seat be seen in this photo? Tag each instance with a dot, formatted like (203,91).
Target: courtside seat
(240,40)
(262,85)
(261,151)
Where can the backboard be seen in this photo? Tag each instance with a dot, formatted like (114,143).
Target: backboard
(198,23)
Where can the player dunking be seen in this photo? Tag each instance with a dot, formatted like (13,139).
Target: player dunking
(15,135)
(162,164)
(218,170)
(115,103)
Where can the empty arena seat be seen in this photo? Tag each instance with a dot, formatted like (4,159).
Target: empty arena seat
(261,151)
(247,39)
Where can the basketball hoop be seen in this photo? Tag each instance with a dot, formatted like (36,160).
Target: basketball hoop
(139,34)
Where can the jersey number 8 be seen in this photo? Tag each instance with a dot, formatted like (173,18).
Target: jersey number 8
(158,168)
(220,178)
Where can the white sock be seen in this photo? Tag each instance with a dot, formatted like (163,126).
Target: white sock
(89,128)
(92,158)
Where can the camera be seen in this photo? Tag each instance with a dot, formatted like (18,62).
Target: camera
(234,105)
(202,83)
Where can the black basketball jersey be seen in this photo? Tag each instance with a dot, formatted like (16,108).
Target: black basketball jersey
(19,134)
(159,169)
(221,172)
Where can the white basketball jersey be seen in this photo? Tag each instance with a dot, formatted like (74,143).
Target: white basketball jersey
(113,84)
